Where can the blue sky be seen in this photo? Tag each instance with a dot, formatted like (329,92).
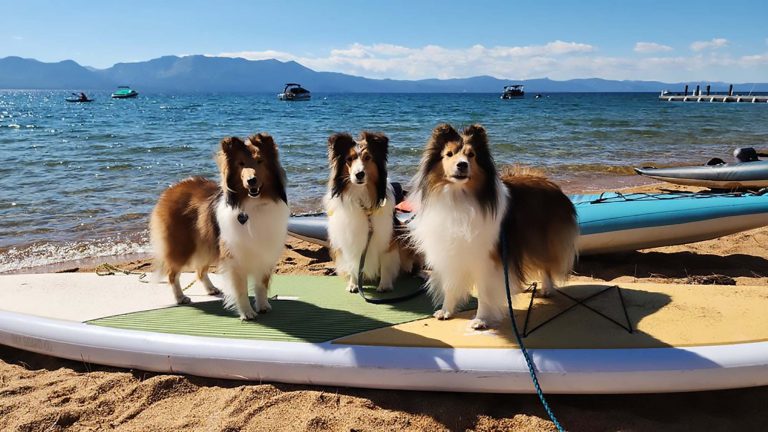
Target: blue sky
(651,40)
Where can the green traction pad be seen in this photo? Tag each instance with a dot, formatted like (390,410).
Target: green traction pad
(304,308)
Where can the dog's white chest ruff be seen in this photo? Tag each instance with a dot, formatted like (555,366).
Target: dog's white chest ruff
(348,229)
(455,233)
(259,241)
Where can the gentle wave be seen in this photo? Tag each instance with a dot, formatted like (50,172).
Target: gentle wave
(47,253)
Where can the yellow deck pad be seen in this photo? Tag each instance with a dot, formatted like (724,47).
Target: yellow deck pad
(662,315)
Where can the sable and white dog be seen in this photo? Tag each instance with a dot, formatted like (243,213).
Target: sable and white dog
(462,208)
(240,223)
(358,195)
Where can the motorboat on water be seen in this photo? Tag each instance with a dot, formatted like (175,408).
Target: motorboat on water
(514,91)
(294,92)
(124,92)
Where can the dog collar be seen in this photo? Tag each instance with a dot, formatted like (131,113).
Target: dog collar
(373,210)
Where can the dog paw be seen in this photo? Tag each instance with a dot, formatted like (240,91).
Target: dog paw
(385,288)
(247,315)
(479,324)
(545,292)
(352,288)
(183,300)
(214,291)
(266,307)
(442,314)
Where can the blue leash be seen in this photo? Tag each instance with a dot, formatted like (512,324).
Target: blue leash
(528,361)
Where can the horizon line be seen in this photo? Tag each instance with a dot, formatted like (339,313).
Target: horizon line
(91,68)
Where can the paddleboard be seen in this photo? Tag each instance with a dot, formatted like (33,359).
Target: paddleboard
(743,175)
(616,222)
(685,338)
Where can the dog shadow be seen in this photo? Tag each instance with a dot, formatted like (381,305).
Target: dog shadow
(300,318)
(670,264)
(559,321)
(579,328)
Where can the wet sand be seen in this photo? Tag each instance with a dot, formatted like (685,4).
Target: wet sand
(43,393)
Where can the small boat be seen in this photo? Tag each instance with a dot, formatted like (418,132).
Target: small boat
(294,92)
(539,96)
(513,92)
(746,172)
(124,92)
(78,97)
(78,100)
(616,222)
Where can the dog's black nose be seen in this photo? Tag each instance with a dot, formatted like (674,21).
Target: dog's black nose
(360,175)
(462,166)
(252,181)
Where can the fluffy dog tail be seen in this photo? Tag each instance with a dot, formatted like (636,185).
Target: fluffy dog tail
(540,226)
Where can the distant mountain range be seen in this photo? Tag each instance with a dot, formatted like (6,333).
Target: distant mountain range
(221,74)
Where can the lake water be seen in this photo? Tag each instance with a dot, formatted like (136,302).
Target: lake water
(79,180)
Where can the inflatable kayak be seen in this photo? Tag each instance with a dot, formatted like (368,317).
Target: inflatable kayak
(730,176)
(747,172)
(615,222)
(317,333)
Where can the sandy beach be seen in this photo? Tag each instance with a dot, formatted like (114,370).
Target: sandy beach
(43,393)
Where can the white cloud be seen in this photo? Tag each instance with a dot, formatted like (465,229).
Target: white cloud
(651,47)
(429,61)
(557,60)
(712,44)
(754,60)
(18,38)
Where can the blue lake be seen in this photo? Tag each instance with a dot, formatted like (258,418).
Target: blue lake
(79,180)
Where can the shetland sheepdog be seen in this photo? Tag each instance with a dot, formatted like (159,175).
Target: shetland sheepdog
(239,224)
(463,207)
(360,201)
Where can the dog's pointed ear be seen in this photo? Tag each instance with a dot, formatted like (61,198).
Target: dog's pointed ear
(378,147)
(339,143)
(442,134)
(229,147)
(264,142)
(378,143)
(267,145)
(230,144)
(475,135)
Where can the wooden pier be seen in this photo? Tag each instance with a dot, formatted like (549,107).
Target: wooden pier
(698,96)
(714,98)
